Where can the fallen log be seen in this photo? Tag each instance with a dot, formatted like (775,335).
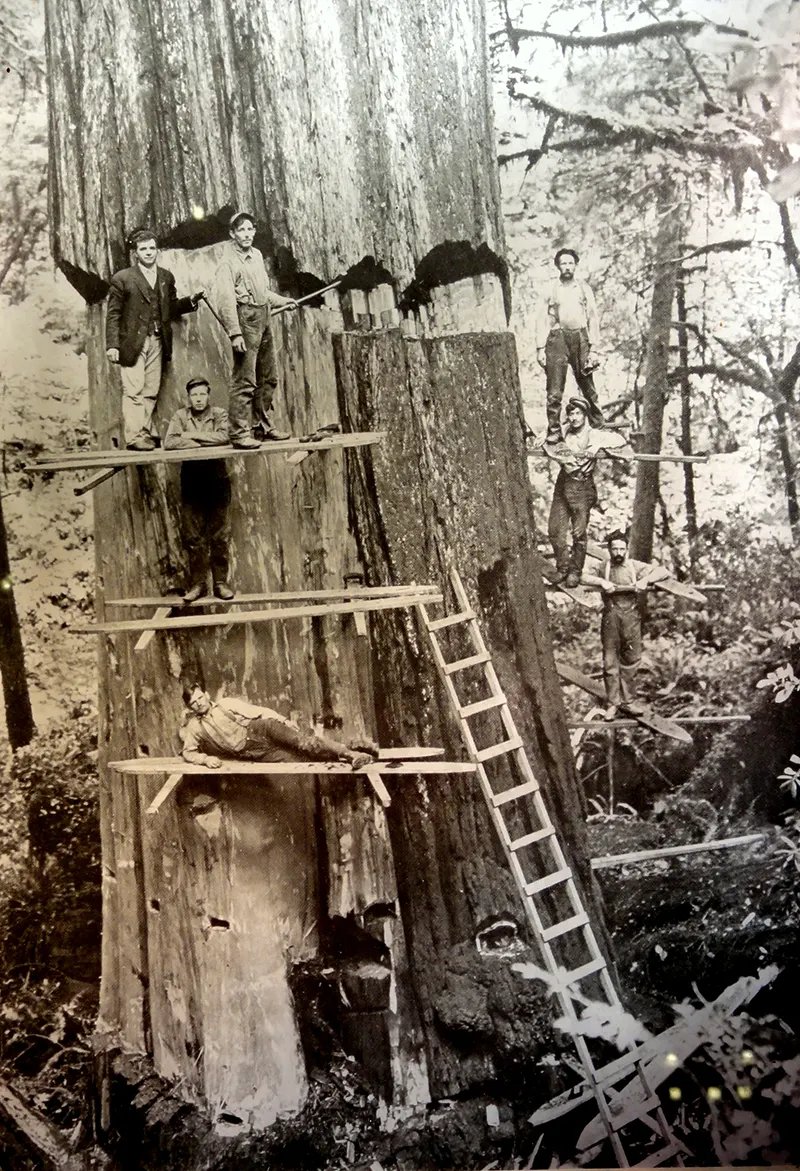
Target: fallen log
(44,1141)
(610,860)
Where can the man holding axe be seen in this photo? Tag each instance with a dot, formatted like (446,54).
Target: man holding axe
(242,299)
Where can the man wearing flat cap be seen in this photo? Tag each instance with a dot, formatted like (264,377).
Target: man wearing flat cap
(567,333)
(242,298)
(205,490)
(575,493)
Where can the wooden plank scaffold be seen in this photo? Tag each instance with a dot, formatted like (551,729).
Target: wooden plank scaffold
(353,602)
(644,1107)
(122,458)
(392,761)
(163,607)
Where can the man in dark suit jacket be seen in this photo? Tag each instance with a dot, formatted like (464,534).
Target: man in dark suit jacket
(142,303)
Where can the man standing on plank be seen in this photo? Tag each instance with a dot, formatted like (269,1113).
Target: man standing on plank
(205,491)
(567,331)
(142,304)
(575,493)
(233,729)
(242,300)
(622,581)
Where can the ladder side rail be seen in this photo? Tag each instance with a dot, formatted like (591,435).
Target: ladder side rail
(612,1127)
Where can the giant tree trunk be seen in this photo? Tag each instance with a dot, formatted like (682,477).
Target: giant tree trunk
(686,421)
(16,697)
(350,130)
(666,266)
(361,136)
(450,487)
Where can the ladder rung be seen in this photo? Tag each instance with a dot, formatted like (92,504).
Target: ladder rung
(515,793)
(533,888)
(585,970)
(656,1158)
(462,664)
(579,920)
(499,749)
(483,705)
(537,836)
(451,620)
(633,1111)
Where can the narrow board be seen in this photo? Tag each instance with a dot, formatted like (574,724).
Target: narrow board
(590,600)
(650,720)
(124,458)
(175,601)
(681,589)
(154,765)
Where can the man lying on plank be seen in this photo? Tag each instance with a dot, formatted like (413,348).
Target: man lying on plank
(233,729)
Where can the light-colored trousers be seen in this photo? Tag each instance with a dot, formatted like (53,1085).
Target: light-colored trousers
(140,386)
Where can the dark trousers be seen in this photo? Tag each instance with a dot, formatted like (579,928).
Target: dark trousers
(621,632)
(568,348)
(206,496)
(272,740)
(254,377)
(573,500)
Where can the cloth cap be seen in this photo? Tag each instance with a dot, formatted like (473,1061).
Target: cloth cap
(241,214)
(193,382)
(566,252)
(580,403)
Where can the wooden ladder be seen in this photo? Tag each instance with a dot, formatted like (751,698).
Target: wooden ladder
(615,1116)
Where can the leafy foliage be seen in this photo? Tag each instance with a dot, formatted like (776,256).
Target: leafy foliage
(49,918)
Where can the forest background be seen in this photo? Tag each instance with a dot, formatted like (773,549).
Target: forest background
(660,157)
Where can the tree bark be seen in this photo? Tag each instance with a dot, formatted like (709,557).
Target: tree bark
(789,470)
(350,130)
(665,274)
(356,133)
(16,697)
(450,487)
(686,422)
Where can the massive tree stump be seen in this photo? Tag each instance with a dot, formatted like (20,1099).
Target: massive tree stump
(361,137)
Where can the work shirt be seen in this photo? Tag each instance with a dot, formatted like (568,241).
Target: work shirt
(186,429)
(222,731)
(567,305)
(625,578)
(584,447)
(241,279)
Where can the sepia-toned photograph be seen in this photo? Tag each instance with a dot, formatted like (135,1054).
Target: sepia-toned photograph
(399,584)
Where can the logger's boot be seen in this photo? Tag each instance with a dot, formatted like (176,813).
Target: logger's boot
(628,686)
(195,591)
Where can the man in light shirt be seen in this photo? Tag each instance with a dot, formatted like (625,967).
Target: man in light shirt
(233,729)
(567,331)
(242,299)
(575,493)
(622,581)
